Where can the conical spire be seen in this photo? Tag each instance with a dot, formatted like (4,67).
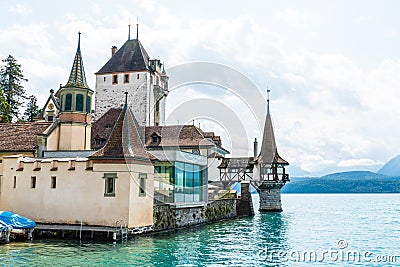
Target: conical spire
(269,152)
(77,77)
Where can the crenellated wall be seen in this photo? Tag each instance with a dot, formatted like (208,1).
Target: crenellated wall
(71,191)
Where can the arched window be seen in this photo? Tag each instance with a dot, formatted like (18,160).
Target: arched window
(79,102)
(88,104)
(68,102)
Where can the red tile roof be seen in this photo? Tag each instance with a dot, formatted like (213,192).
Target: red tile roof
(102,128)
(21,137)
(176,136)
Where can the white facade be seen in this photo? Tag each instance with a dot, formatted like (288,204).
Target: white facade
(143,87)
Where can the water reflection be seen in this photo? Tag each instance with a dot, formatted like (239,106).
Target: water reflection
(308,223)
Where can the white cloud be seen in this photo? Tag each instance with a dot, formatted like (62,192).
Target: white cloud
(33,39)
(362,19)
(359,162)
(148,5)
(315,163)
(390,34)
(96,9)
(296,18)
(20,9)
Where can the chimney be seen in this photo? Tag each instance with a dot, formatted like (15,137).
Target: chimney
(113,50)
(255,149)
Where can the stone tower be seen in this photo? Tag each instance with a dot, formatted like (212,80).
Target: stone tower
(131,70)
(271,168)
(74,126)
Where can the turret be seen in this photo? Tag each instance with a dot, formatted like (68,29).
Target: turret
(272,166)
(75,114)
(271,169)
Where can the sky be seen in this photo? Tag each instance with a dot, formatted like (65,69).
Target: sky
(332,66)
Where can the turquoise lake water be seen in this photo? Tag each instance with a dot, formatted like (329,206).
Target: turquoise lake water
(334,230)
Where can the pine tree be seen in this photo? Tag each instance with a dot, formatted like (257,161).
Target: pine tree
(11,78)
(5,109)
(32,109)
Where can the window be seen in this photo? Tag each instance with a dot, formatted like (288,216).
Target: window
(33,182)
(115,79)
(15,182)
(138,76)
(188,183)
(164,183)
(142,184)
(88,104)
(79,102)
(68,102)
(109,187)
(155,138)
(126,78)
(104,79)
(157,106)
(53,182)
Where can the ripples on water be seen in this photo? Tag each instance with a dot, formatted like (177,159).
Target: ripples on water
(309,223)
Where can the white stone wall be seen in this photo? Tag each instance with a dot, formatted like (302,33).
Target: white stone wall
(111,95)
(79,193)
(140,98)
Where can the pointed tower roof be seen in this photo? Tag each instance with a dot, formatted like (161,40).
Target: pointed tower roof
(130,57)
(77,77)
(269,151)
(124,140)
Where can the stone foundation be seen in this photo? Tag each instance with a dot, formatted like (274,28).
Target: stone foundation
(270,196)
(168,217)
(244,205)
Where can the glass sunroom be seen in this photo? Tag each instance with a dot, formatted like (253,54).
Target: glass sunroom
(180,182)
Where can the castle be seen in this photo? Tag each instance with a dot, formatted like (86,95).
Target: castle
(118,163)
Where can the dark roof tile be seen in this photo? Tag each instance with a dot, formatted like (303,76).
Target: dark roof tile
(130,57)
(124,139)
(22,136)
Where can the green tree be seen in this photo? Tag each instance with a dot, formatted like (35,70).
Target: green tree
(11,79)
(32,109)
(5,108)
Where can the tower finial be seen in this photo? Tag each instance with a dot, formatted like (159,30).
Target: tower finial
(129,30)
(268,90)
(79,40)
(137,29)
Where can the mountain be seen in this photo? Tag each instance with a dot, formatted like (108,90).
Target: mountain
(392,168)
(345,182)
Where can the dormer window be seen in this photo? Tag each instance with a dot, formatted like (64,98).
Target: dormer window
(115,79)
(155,138)
(126,78)
(99,141)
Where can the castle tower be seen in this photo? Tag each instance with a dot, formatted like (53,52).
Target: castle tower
(131,70)
(75,114)
(271,169)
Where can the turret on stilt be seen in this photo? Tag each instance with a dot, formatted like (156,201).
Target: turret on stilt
(271,169)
